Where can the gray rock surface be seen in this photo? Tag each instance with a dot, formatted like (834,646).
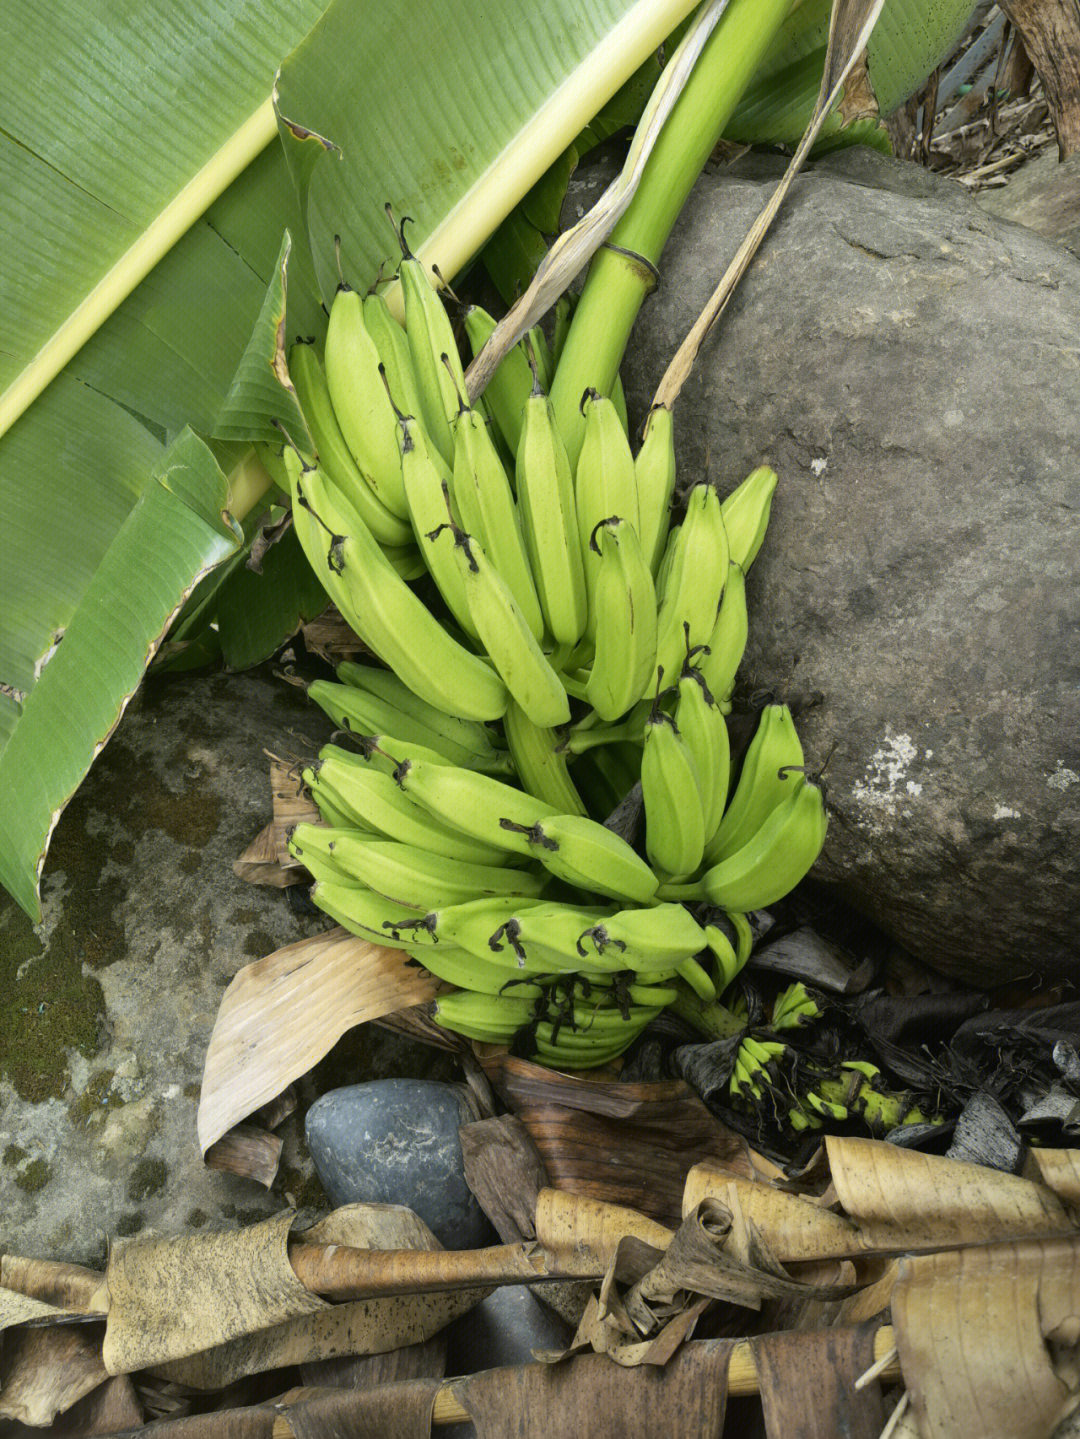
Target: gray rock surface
(109,1004)
(395,1141)
(1043,195)
(911,367)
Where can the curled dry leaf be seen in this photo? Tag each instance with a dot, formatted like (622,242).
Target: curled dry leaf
(259,862)
(1057,1169)
(981,1333)
(902,1199)
(239,1291)
(247,1150)
(176,1296)
(280,1015)
(44,1371)
(70,1287)
(568,1224)
(796,1230)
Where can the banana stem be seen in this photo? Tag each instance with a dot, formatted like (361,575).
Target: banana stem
(579,742)
(624,271)
(711,1018)
(691,892)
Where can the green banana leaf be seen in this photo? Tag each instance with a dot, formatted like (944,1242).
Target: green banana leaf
(145,202)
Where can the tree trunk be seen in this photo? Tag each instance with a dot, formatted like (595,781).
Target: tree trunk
(1051,35)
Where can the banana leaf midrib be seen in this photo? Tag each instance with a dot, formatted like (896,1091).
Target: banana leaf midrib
(186,207)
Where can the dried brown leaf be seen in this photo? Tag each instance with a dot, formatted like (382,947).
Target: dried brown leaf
(333,1331)
(902,1199)
(807,1384)
(330,637)
(416,1023)
(621,1143)
(247,1150)
(975,1329)
(172,1297)
(1057,1169)
(590,1395)
(110,1408)
(574,1224)
(18,1308)
(506,1174)
(259,862)
(280,1015)
(293,805)
(45,1371)
(71,1287)
(795,1229)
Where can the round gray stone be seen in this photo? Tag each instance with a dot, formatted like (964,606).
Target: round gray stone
(395,1141)
(911,368)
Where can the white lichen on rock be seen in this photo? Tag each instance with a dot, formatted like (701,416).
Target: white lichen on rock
(885,781)
(1062,777)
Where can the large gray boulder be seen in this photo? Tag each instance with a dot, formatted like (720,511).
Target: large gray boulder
(911,367)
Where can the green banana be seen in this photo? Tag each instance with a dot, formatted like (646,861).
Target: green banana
(702,726)
(584,854)
(427,490)
(382,610)
(604,482)
(727,640)
(793,1007)
(672,794)
(540,762)
(392,345)
(772,756)
(505,634)
(486,503)
(546,505)
(699,567)
(466,971)
(623,610)
(660,937)
(407,561)
(334,454)
(363,912)
(654,471)
(667,559)
(470,925)
(408,875)
(489,1018)
(361,404)
(778,856)
(464,742)
(367,712)
(370,799)
(512,382)
(547,938)
(436,363)
(474,803)
(746,515)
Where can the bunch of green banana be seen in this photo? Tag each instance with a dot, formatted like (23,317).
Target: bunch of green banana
(516,698)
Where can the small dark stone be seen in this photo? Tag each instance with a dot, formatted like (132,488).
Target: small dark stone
(395,1141)
(503,1330)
